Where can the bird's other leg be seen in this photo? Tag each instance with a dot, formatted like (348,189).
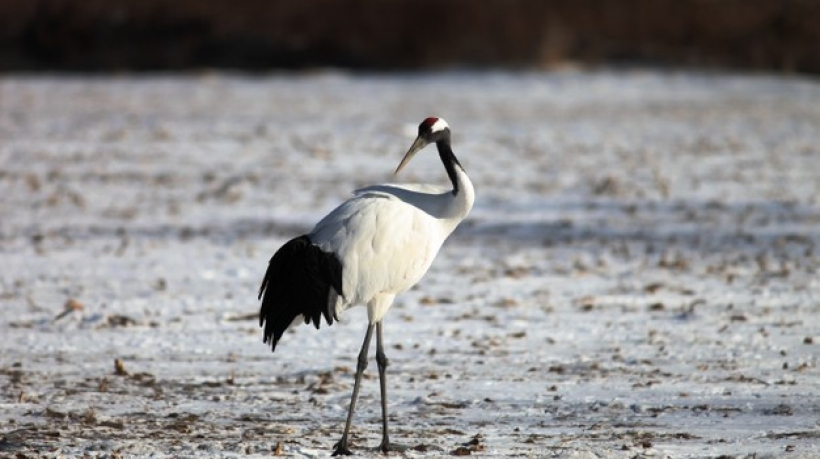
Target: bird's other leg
(342,446)
(382,362)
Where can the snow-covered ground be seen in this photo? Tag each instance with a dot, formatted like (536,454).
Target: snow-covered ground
(638,278)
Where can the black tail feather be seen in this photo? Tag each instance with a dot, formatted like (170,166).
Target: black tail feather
(297,282)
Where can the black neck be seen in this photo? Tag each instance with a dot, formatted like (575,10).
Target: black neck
(448,158)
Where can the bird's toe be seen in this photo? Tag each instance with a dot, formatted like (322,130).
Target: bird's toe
(387,447)
(341,449)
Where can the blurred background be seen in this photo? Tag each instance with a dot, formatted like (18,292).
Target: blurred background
(140,35)
(638,277)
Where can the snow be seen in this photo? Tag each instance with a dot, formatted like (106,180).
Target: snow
(638,277)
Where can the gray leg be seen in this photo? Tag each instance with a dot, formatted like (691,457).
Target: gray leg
(382,361)
(342,446)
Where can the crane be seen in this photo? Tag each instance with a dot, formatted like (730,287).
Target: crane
(374,246)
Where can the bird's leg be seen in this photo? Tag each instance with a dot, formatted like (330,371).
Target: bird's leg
(342,446)
(382,362)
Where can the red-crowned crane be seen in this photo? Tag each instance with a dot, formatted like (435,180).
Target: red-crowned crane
(377,244)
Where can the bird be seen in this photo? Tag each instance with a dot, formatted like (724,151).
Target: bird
(372,247)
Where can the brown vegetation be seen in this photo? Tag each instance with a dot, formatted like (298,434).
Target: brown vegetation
(407,34)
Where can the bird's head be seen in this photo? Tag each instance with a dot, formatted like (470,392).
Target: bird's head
(431,130)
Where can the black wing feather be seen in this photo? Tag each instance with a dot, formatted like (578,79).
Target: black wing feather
(297,282)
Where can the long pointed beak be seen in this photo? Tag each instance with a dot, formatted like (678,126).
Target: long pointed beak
(418,144)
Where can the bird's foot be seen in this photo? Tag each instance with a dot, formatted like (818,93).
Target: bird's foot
(341,448)
(387,447)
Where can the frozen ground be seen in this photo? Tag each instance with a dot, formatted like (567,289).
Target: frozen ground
(638,278)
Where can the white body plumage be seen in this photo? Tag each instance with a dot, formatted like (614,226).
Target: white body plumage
(386,237)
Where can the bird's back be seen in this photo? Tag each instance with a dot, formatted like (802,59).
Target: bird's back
(384,243)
